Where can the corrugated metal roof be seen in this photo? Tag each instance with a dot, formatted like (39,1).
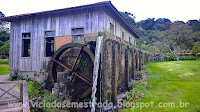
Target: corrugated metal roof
(108,4)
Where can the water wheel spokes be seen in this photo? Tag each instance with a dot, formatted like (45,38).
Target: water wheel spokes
(75,68)
(78,74)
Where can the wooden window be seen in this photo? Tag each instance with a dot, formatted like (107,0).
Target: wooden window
(122,36)
(77,31)
(50,43)
(77,35)
(26,44)
(111,28)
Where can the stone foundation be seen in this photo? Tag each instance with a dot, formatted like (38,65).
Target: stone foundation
(120,64)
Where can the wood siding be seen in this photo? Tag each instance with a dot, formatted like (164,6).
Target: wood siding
(118,28)
(91,20)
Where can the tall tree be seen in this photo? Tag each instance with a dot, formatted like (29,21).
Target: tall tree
(179,32)
(196,36)
(2,23)
(196,50)
(165,39)
(4,31)
(1,15)
(4,37)
(129,17)
(160,24)
(195,24)
(147,24)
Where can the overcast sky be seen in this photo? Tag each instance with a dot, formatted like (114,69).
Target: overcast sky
(142,9)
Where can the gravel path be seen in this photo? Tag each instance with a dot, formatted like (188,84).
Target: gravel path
(4,77)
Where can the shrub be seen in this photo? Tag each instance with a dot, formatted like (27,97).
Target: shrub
(196,50)
(4,56)
(173,58)
(165,50)
(15,76)
(137,91)
(35,89)
(4,50)
(169,58)
(187,58)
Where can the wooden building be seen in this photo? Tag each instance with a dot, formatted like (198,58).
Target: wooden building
(35,37)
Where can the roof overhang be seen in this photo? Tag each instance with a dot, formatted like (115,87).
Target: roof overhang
(106,4)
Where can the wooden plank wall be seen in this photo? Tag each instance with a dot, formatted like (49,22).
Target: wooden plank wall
(91,20)
(118,27)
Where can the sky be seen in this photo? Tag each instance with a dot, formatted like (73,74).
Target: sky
(174,10)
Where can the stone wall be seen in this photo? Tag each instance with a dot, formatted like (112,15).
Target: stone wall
(120,64)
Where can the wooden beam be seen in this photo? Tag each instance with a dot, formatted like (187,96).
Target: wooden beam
(21,91)
(6,101)
(16,109)
(10,82)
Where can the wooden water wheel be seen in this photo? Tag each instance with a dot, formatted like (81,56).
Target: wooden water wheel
(76,60)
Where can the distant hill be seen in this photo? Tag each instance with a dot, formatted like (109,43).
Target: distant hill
(153,31)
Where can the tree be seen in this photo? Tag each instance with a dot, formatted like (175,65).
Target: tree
(4,37)
(196,36)
(160,24)
(195,24)
(129,17)
(1,43)
(165,40)
(196,50)
(177,50)
(147,24)
(163,20)
(162,33)
(4,50)
(1,15)
(2,23)
(179,32)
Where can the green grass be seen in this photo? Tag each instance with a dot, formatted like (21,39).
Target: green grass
(4,61)
(171,82)
(4,67)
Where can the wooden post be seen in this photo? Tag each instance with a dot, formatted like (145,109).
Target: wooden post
(26,107)
(21,90)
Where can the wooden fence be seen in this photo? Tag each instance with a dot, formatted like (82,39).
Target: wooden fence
(11,102)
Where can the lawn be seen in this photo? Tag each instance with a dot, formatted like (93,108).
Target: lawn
(4,67)
(171,87)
